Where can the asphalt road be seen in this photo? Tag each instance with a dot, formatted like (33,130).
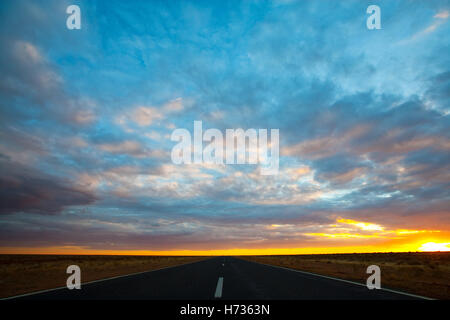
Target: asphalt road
(220,278)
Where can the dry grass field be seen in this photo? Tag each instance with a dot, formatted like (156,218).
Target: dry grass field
(422,273)
(27,273)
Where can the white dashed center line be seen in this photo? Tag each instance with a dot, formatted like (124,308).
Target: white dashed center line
(219,287)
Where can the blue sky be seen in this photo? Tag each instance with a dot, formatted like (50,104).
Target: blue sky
(86,119)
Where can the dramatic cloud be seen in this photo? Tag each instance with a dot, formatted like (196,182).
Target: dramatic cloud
(26,190)
(86,118)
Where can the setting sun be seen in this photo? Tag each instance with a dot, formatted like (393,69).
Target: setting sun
(433,246)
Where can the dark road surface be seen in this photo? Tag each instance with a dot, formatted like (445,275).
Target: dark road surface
(220,278)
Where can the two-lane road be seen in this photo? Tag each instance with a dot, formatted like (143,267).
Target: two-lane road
(221,278)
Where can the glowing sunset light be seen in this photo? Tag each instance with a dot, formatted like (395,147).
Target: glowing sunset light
(343,235)
(362,225)
(433,246)
(405,231)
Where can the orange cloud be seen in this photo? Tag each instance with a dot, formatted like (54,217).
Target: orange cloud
(366,230)
(362,225)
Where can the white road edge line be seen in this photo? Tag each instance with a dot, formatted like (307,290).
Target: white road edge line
(99,280)
(219,287)
(348,281)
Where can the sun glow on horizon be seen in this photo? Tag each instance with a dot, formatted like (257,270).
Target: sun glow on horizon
(345,236)
(433,246)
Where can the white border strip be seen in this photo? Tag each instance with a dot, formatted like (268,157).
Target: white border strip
(342,280)
(99,280)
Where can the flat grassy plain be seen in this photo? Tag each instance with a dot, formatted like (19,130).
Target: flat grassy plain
(422,273)
(28,273)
